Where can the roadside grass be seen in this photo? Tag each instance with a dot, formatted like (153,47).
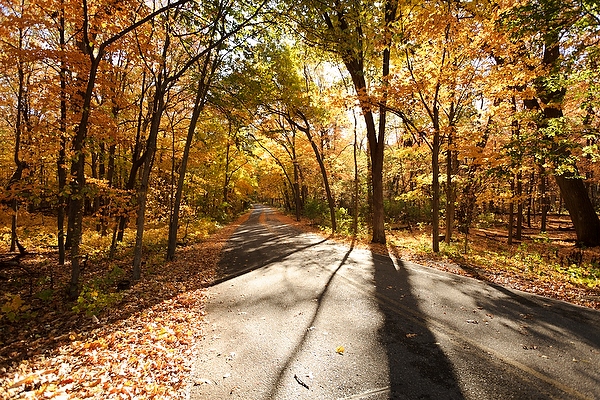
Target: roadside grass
(553,268)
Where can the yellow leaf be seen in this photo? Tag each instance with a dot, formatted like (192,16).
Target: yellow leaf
(340,350)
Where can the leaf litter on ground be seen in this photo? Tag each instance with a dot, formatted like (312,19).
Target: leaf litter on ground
(140,348)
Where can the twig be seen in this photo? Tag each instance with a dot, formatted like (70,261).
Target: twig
(300,382)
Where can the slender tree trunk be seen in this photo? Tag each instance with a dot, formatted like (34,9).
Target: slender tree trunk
(519,233)
(158,105)
(530,190)
(61,160)
(435,187)
(77,198)
(319,157)
(110,177)
(227,161)
(137,160)
(296,189)
(511,211)
(20,165)
(355,197)
(199,102)
(543,199)
(449,192)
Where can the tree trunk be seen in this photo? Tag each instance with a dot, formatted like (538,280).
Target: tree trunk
(330,200)
(110,177)
(20,122)
(355,196)
(77,196)
(353,60)
(319,157)
(519,206)
(572,187)
(544,199)
(449,193)
(199,102)
(227,161)
(435,187)
(511,211)
(583,215)
(158,105)
(296,189)
(61,159)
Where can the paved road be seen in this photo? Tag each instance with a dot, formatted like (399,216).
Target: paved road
(288,300)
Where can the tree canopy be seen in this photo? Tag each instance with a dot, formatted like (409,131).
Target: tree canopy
(355,114)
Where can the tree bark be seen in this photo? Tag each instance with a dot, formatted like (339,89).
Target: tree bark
(61,159)
(199,102)
(511,211)
(20,122)
(435,187)
(78,166)
(519,232)
(353,60)
(158,106)
(319,157)
(355,195)
(544,199)
(572,187)
(449,193)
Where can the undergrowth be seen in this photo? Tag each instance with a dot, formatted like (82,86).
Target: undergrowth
(537,259)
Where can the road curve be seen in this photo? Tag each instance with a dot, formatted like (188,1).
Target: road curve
(295,316)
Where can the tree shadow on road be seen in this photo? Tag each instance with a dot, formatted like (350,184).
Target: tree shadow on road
(304,338)
(418,368)
(257,244)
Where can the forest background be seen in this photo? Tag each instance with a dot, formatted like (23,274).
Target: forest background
(452,130)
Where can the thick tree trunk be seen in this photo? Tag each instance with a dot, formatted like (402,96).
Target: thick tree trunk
(572,187)
(353,59)
(583,215)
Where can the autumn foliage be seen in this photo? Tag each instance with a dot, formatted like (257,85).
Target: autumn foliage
(131,129)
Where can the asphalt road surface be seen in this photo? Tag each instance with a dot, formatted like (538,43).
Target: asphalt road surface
(296,316)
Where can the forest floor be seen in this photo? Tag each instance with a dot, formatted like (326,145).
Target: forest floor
(138,343)
(135,343)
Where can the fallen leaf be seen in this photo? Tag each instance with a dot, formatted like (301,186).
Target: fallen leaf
(340,350)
